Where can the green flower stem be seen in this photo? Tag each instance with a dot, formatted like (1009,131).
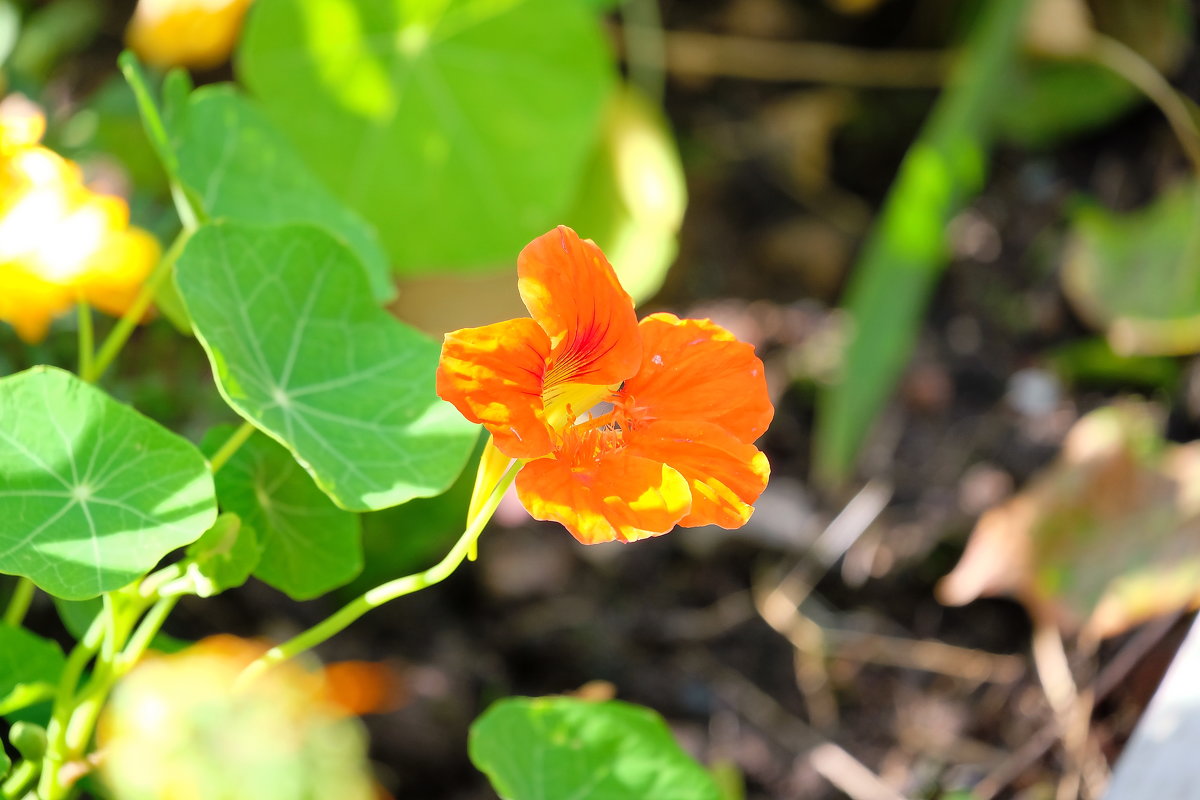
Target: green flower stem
(386,592)
(87,338)
(87,711)
(49,787)
(189,215)
(18,604)
(235,440)
(75,712)
(19,780)
(129,320)
(142,637)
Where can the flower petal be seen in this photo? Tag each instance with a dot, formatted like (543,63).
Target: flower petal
(571,290)
(725,475)
(493,375)
(29,303)
(693,369)
(616,497)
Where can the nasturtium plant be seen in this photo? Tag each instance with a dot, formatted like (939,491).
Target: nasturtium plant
(367,140)
(306,544)
(302,351)
(239,167)
(534,748)
(448,125)
(94,494)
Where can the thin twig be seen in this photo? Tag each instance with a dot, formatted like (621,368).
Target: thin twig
(712,55)
(1110,677)
(1133,67)
(830,760)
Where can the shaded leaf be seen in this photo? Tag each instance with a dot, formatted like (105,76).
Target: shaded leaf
(240,168)
(26,661)
(453,127)
(1106,537)
(92,494)
(300,349)
(306,545)
(534,748)
(1137,276)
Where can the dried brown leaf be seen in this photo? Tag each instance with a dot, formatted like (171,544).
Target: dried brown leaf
(1107,537)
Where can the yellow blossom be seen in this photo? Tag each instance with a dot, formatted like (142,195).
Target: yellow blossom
(60,242)
(186,33)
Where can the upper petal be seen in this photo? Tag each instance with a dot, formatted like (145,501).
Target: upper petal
(693,369)
(615,497)
(725,475)
(493,375)
(571,290)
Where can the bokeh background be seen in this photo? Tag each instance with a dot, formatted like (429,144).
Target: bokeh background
(953,230)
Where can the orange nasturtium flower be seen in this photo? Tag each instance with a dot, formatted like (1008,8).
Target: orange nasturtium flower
(60,242)
(624,429)
(199,34)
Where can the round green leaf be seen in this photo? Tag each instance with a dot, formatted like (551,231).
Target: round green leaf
(308,545)
(460,129)
(92,494)
(535,748)
(240,168)
(300,349)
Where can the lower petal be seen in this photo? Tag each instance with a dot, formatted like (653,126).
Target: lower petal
(725,475)
(617,497)
(493,375)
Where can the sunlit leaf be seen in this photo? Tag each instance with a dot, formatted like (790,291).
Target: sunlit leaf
(26,661)
(534,748)
(241,169)
(459,129)
(906,252)
(1137,276)
(632,198)
(307,545)
(1106,537)
(300,349)
(92,494)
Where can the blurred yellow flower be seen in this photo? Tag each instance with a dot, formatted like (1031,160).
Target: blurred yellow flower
(185,33)
(60,243)
(177,727)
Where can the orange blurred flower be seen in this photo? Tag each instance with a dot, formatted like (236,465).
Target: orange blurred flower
(199,34)
(626,429)
(60,243)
